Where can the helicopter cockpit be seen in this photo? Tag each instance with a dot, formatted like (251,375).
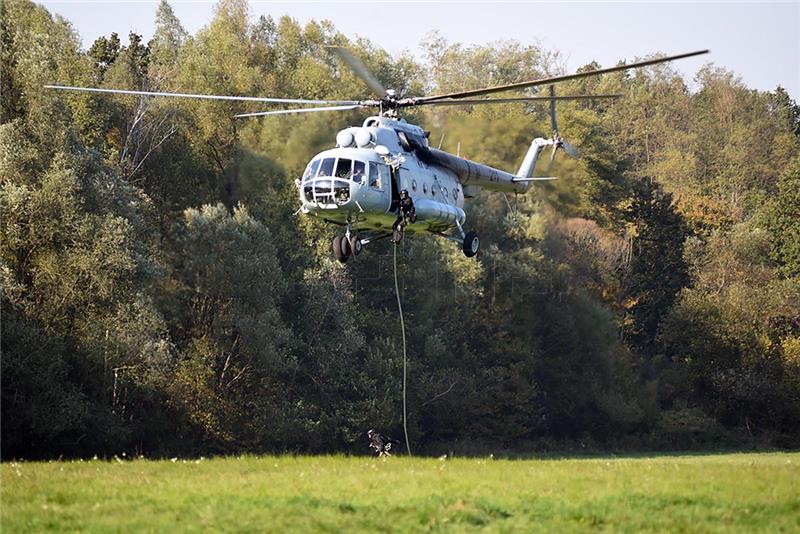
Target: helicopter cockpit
(330,180)
(327,180)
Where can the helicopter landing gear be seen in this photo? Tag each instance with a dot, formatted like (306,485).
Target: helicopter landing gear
(341,248)
(349,244)
(471,244)
(355,244)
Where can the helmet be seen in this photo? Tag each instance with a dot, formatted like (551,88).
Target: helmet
(404,191)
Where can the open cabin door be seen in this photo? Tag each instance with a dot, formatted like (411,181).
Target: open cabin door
(395,189)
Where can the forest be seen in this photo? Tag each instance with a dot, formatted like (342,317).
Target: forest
(160,296)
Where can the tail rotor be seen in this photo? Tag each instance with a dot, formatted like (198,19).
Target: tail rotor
(558,142)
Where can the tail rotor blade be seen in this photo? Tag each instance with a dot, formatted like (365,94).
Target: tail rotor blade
(569,149)
(552,159)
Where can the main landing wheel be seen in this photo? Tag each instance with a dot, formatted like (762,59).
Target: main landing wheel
(341,248)
(355,244)
(471,244)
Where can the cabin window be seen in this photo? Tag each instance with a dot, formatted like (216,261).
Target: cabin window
(444,193)
(374,179)
(311,170)
(455,194)
(414,185)
(359,171)
(379,174)
(433,191)
(425,188)
(344,167)
(326,169)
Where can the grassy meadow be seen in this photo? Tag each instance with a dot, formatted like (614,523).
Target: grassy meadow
(677,493)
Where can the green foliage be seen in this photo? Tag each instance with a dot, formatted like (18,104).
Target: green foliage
(782,216)
(730,332)
(658,271)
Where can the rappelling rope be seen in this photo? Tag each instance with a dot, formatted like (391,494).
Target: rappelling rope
(403,330)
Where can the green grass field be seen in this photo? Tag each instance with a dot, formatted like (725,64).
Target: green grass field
(707,493)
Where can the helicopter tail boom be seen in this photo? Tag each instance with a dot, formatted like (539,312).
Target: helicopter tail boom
(471,173)
(529,163)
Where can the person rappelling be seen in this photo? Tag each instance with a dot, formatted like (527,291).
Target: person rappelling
(406,214)
(381,443)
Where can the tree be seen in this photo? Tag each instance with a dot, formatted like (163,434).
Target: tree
(168,37)
(658,271)
(783,220)
(227,286)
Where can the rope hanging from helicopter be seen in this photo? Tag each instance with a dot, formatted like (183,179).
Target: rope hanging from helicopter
(405,357)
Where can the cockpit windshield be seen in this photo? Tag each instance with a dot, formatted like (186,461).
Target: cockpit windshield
(326,169)
(311,170)
(339,168)
(344,167)
(359,170)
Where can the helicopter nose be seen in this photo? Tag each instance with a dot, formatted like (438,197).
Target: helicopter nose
(327,193)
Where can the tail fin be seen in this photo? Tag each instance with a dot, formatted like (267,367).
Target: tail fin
(529,163)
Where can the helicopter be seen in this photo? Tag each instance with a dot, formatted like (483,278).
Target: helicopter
(358,183)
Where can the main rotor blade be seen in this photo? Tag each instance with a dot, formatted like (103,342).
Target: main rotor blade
(562,78)
(473,101)
(553,124)
(300,110)
(359,69)
(208,97)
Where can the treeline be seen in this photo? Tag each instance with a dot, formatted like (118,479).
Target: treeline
(160,296)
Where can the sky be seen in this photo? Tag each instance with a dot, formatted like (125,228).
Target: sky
(758,41)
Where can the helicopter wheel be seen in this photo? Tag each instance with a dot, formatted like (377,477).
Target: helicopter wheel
(347,250)
(341,248)
(471,244)
(355,245)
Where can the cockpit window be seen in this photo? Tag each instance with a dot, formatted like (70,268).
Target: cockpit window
(344,167)
(359,170)
(311,170)
(326,169)
(374,178)
(379,175)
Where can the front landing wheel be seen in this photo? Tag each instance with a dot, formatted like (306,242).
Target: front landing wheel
(355,245)
(341,248)
(471,244)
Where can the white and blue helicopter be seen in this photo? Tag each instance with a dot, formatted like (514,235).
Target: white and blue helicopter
(357,184)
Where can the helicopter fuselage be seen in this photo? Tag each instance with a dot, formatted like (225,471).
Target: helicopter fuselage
(358,182)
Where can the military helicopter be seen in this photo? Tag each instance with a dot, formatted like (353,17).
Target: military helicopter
(357,184)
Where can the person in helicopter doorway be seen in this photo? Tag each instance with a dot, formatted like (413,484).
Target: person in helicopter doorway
(405,214)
